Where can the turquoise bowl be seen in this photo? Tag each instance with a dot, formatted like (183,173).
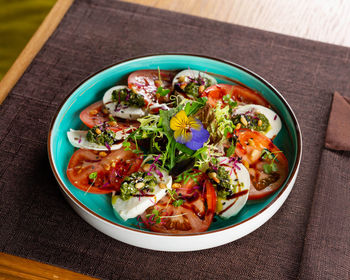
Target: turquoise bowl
(97,210)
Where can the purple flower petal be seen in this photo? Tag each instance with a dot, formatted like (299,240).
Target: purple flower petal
(200,135)
(194,145)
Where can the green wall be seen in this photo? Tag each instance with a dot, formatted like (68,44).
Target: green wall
(19,19)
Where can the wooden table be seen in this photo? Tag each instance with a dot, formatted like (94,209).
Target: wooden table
(326,21)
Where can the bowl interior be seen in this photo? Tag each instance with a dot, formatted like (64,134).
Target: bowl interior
(92,90)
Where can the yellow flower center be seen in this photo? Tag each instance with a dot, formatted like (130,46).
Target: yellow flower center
(181,124)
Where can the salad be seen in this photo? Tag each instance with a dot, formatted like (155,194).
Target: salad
(174,149)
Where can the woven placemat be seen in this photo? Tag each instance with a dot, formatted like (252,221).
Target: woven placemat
(36,221)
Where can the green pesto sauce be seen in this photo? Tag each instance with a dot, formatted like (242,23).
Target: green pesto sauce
(106,135)
(253,122)
(225,188)
(192,88)
(128,97)
(128,187)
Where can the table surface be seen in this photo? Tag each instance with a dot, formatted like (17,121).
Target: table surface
(325,21)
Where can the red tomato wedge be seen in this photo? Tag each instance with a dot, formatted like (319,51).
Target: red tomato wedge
(146,83)
(194,215)
(250,147)
(109,171)
(93,115)
(241,94)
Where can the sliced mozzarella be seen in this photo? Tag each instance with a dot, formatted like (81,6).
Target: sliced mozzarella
(193,74)
(121,110)
(227,208)
(135,206)
(274,119)
(159,106)
(78,139)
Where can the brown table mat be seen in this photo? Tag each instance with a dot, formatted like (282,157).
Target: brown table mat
(36,221)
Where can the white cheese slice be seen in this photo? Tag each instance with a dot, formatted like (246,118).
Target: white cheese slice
(121,110)
(274,119)
(135,206)
(227,208)
(192,74)
(78,139)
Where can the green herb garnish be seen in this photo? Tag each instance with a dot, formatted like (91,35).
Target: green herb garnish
(136,183)
(224,186)
(228,100)
(178,202)
(154,216)
(268,155)
(162,92)
(231,150)
(252,122)
(93,175)
(101,135)
(175,197)
(192,107)
(128,97)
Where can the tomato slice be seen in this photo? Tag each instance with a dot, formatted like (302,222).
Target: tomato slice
(250,147)
(94,115)
(109,170)
(215,93)
(146,83)
(194,215)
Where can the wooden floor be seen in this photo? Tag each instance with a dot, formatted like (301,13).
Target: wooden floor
(327,21)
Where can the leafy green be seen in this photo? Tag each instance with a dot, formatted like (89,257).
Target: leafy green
(192,107)
(231,150)
(155,216)
(223,124)
(228,100)
(186,176)
(268,155)
(126,145)
(269,168)
(162,92)
(93,175)
(178,202)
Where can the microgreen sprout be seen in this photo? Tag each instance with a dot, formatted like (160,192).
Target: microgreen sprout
(126,146)
(178,202)
(175,197)
(162,92)
(228,100)
(186,176)
(268,155)
(93,177)
(155,217)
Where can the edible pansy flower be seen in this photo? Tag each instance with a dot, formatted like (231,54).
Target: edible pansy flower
(188,131)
